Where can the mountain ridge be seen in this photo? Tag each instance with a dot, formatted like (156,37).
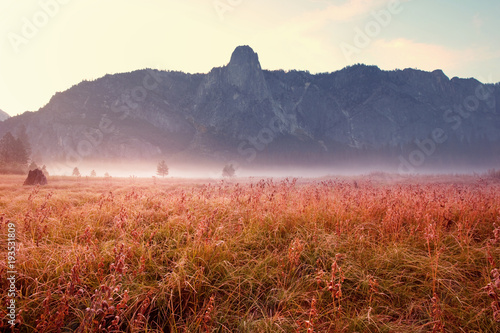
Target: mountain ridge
(241,113)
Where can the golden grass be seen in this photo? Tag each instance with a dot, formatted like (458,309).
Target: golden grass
(381,254)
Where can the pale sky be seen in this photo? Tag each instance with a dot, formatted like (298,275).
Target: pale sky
(47,46)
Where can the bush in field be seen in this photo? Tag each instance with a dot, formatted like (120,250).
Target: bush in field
(76,172)
(228,171)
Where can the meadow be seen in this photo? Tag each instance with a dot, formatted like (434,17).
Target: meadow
(375,253)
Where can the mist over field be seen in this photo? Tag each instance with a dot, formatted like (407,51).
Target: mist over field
(214,171)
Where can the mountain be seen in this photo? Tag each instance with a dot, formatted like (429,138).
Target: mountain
(3,115)
(241,113)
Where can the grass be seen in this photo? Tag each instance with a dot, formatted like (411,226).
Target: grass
(494,173)
(378,254)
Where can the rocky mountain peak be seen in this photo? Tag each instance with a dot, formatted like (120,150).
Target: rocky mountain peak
(244,56)
(245,73)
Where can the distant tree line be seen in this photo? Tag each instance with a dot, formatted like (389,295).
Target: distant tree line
(162,170)
(14,155)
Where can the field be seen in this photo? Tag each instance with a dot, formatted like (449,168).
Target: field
(376,253)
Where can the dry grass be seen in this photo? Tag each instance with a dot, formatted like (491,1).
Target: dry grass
(379,254)
(494,173)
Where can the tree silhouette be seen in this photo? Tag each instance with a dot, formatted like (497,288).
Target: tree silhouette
(93,174)
(13,155)
(45,172)
(162,169)
(76,172)
(228,171)
(33,166)
(23,137)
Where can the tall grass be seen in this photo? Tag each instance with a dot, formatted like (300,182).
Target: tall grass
(418,255)
(494,173)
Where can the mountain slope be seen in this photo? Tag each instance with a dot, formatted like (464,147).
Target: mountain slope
(3,115)
(243,113)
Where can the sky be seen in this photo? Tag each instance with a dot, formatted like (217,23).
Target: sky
(47,46)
